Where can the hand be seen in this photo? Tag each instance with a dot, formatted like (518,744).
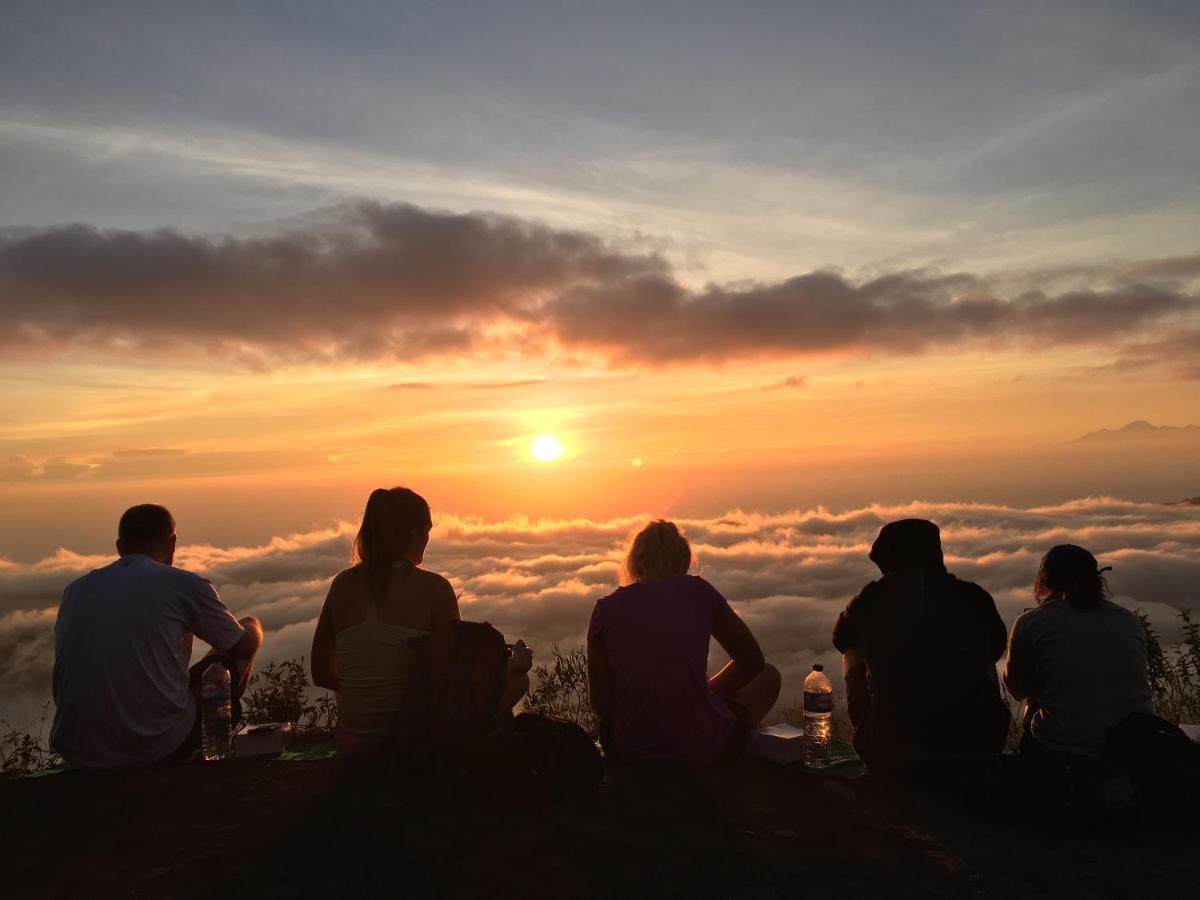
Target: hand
(522,657)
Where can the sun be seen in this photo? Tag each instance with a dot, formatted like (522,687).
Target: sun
(546,447)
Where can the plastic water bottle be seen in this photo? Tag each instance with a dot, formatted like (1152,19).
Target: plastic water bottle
(216,711)
(818,711)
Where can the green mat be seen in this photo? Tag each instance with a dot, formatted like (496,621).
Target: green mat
(42,773)
(843,761)
(323,750)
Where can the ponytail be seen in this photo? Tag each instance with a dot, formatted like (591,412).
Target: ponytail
(1071,572)
(386,536)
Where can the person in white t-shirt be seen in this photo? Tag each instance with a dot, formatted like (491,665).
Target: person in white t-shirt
(123,692)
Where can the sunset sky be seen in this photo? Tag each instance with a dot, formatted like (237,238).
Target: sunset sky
(257,259)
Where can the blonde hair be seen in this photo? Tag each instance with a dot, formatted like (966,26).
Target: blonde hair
(658,550)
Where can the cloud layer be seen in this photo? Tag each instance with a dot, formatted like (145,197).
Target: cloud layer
(788,574)
(375,281)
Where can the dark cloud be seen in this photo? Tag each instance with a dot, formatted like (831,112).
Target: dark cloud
(1181,267)
(505,385)
(788,574)
(151,451)
(1178,353)
(363,280)
(792,381)
(369,281)
(651,318)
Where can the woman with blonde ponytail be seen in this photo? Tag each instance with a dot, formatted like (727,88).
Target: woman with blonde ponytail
(648,656)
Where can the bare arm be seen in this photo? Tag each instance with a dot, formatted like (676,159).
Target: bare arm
(599,686)
(444,608)
(250,641)
(1020,671)
(324,657)
(852,659)
(745,656)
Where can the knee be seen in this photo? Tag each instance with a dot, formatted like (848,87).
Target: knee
(520,684)
(772,680)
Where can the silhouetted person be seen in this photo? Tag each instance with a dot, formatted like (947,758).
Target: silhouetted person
(647,652)
(377,618)
(919,652)
(1077,659)
(122,642)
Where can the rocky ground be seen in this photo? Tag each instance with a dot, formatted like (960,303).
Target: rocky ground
(267,828)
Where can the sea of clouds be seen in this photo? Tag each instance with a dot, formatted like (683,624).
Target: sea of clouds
(787,574)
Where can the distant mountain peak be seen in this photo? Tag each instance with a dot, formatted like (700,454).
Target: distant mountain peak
(1140,428)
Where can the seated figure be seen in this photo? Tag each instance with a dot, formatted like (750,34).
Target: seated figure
(919,655)
(376,623)
(1077,660)
(122,642)
(647,651)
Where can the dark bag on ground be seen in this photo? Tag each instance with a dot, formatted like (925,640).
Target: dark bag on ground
(1163,762)
(542,754)
(1148,771)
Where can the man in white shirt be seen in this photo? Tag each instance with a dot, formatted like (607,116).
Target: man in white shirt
(122,642)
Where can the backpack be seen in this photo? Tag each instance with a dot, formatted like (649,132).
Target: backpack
(539,754)
(451,719)
(452,699)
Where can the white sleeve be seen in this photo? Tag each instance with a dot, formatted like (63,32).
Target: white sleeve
(209,619)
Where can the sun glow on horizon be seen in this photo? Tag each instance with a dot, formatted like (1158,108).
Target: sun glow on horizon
(546,448)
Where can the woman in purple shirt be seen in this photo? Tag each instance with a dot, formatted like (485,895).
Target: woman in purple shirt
(648,661)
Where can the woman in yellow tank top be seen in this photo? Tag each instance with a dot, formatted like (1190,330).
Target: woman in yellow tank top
(377,615)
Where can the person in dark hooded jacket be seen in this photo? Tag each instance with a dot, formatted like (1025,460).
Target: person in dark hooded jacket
(919,654)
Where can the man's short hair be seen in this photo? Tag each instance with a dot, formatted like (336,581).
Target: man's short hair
(145,524)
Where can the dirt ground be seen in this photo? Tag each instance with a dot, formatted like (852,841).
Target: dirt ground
(267,828)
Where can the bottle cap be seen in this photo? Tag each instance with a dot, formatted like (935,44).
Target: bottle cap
(817,667)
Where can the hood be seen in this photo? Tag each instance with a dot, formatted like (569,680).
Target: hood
(910,545)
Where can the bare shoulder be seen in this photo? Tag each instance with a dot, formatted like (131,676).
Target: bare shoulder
(432,582)
(350,579)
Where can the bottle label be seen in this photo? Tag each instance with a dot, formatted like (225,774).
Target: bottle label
(818,701)
(214,693)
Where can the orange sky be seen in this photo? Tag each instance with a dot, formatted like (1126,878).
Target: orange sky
(251,454)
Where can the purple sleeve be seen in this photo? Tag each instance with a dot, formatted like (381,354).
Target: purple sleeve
(596,623)
(210,620)
(713,600)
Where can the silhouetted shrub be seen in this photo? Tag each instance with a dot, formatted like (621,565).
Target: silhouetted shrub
(280,692)
(22,752)
(561,689)
(1175,671)
(1012,741)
